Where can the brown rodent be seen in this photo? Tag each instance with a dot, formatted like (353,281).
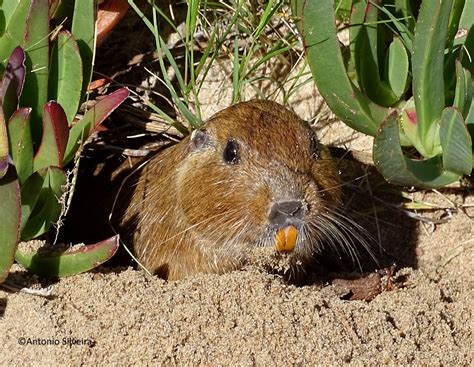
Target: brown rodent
(251,170)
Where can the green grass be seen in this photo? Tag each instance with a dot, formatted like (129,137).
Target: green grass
(249,36)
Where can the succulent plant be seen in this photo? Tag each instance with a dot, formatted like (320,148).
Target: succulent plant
(406,79)
(44,76)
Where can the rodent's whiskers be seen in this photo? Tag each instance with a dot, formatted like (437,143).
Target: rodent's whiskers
(346,183)
(341,232)
(355,230)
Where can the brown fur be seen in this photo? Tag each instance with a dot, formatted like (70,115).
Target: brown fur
(192,212)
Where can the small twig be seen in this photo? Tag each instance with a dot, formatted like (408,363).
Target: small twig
(445,198)
(41,292)
(125,151)
(458,250)
(397,207)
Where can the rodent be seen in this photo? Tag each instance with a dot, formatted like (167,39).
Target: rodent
(250,173)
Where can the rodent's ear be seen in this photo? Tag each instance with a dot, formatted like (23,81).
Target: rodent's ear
(201,139)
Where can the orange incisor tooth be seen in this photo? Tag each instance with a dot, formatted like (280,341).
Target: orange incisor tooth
(286,239)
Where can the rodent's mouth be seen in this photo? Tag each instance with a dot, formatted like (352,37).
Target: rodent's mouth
(286,238)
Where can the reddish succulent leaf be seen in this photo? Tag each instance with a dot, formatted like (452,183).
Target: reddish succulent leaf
(3,166)
(69,262)
(55,137)
(4,148)
(12,82)
(10,223)
(98,113)
(98,83)
(109,15)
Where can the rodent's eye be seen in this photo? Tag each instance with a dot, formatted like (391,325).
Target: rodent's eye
(231,152)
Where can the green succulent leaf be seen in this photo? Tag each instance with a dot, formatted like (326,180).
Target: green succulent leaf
(397,67)
(10,223)
(408,122)
(3,23)
(65,75)
(21,146)
(470,121)
(83,30)
(428,68)
(48,205)
(456,142)
(35,93)
(8,8)
(30,192)
(12,82)
(98,113)
(318,29)
(364,41)
(463,93)
(15,27)
(403,9)
(70,262)
(467,17)
(468,50)
(400,170)
(401,20)
(55,137)
(61,10)
(343,9)
(453,25)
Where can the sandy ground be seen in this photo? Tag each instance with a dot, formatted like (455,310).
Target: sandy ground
(122,316)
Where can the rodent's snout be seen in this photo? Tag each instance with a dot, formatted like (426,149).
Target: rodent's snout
(286,218)
(287,213)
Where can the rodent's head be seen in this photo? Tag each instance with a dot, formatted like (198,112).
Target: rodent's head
(254,169)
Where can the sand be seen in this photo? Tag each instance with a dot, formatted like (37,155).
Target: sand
(123,316)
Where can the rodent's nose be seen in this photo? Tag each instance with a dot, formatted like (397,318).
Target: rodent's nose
(287,212)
